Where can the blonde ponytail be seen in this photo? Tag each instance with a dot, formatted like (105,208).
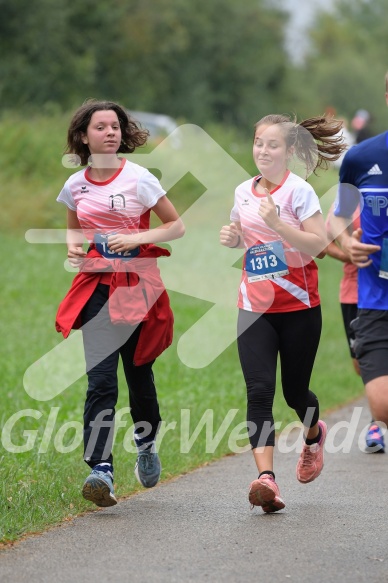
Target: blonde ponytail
(317,141)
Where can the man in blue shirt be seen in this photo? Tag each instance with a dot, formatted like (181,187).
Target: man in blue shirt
(364,180)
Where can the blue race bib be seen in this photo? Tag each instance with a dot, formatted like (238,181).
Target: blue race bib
(265,261)
(384,260)
(101,242)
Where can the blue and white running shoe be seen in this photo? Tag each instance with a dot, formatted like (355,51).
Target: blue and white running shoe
(98,488)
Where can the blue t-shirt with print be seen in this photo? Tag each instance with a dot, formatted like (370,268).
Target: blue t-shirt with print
(365,166)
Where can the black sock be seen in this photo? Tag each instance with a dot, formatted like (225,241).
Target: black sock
(267,472)
(316,439)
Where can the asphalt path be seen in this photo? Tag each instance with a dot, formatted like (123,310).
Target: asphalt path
(200,527)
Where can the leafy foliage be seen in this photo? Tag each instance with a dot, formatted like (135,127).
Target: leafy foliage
(346,66)
(221,61)
(199,60)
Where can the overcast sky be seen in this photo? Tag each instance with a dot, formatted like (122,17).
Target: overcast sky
(302,15)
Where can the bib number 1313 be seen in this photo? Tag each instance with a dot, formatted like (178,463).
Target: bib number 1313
(265,261)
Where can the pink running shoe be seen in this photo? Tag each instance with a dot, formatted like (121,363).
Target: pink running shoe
(264,492)
(310,462)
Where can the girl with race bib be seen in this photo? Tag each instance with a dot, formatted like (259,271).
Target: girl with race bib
(118,298)
(277,219)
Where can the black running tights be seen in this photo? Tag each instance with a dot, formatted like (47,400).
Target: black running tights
(294,336)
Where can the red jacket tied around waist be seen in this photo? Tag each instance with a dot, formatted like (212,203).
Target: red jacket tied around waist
(136,294)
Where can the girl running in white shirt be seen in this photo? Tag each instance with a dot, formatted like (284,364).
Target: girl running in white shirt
(118,298)
(277,218)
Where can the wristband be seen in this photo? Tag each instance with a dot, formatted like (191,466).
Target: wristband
(237,244)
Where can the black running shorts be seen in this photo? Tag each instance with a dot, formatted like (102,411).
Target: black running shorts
(371,343)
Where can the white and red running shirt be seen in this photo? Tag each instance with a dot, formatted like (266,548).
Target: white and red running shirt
(295,201)
(121,203)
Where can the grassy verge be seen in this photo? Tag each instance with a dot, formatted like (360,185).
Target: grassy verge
(41,486)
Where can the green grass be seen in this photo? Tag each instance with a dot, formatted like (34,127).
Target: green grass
(41,487)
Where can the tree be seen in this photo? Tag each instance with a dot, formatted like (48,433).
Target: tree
(347,62)
(221,60)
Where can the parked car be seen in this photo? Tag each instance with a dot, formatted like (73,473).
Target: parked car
(159,125)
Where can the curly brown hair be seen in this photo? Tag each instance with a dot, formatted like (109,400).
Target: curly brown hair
(132,136)
(316,141)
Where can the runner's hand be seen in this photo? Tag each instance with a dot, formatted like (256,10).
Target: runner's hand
(359,252)
(268,211)
(229,235)
(119,243)
(75,255)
